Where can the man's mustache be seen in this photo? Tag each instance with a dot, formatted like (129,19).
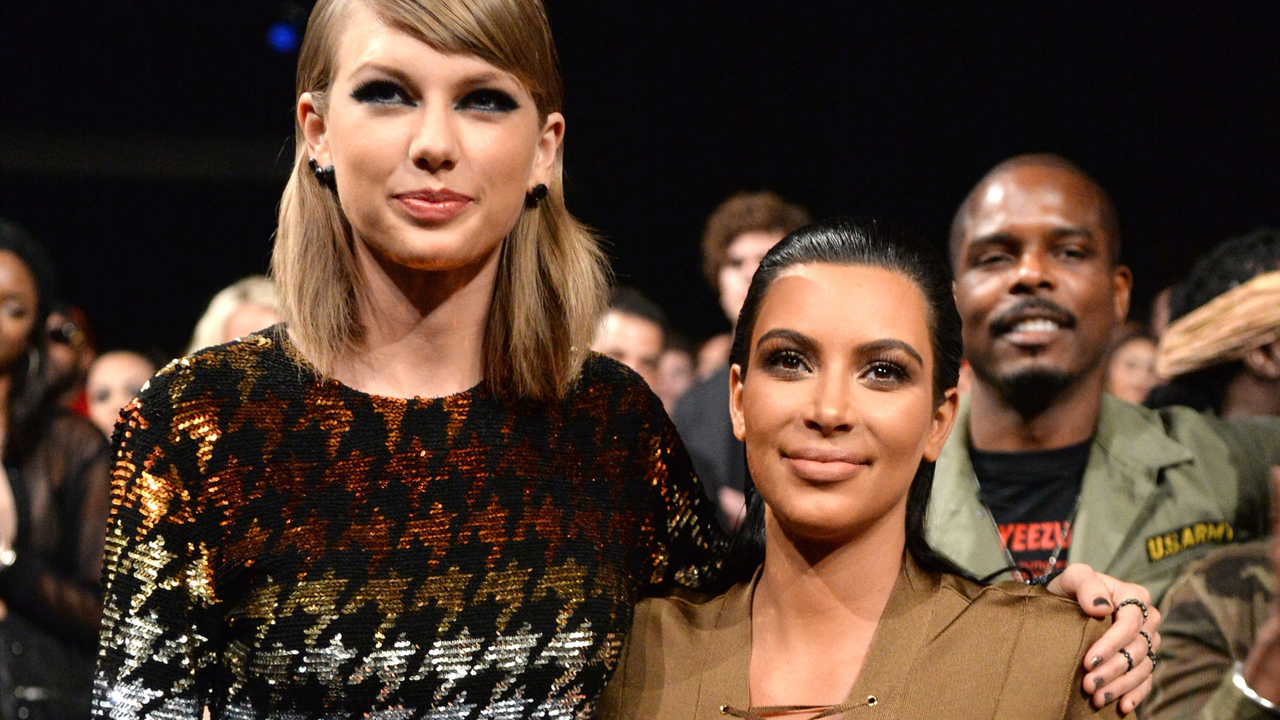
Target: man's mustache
(1037,307)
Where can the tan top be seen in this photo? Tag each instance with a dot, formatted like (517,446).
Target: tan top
(945,648)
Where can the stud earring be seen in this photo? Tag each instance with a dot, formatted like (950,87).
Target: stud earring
(324,175)
(538,192)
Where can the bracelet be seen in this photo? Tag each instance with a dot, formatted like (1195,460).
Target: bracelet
(1255,698)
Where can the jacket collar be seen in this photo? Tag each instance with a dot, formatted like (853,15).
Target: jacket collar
(1130,448)
(908,623)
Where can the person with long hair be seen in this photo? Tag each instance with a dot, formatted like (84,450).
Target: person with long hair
(844,369)
(53,507)
(422,496)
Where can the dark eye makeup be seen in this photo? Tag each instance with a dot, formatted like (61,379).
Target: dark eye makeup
(784,361)
(380,92)
(488,100)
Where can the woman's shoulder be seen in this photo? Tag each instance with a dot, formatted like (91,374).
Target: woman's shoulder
(601,371)
(682,610)
(1030,598)
(233,368)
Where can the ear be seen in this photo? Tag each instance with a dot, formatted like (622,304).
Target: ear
(1123,282)
(943,418)
(548,147)
(313,129)
(1264,361)
(735,403)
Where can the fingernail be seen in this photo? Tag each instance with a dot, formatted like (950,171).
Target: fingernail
(1101,602)
(1106,697)
(1097,683)
(1097,660)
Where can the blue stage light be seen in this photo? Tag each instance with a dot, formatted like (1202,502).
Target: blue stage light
(284,37)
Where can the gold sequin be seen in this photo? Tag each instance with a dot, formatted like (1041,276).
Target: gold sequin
(284,546)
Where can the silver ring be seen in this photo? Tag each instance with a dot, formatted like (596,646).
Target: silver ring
(1150,646)
(1128,658)
(1135,601)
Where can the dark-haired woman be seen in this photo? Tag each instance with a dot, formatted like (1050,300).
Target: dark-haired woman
(53,509)
(845,363)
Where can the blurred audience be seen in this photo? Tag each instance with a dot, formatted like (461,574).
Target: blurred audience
(242,308)
(1220,655)
(1043,467)
(114,380)
(1221,351)
(675,370)
(713,355)
(1131,365)
(69,353)
(632,331)
(54,499)
(737,235)
(1160,312)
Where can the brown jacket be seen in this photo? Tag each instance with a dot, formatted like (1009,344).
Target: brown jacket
(945,648)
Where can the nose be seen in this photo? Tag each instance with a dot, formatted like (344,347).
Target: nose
(1032,273)
(435,145)
(832,410)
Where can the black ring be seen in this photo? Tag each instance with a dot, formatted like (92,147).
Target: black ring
(1152,656)
(1150,647)
(1135,601)
(1127,657)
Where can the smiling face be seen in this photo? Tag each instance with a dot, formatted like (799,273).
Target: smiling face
(1036,285)
(433,153)
(837,407)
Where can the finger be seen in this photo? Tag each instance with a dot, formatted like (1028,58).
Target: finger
(1129,701)
(1123,632)
(1114,678)
(1087,587)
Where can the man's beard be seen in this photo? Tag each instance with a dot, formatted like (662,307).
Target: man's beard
(1031,392)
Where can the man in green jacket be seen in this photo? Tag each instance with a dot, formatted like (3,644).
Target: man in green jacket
(1042,467)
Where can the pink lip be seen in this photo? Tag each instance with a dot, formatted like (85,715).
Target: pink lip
(824,464)
(433,205)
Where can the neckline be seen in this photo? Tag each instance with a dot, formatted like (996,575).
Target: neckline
(280,334)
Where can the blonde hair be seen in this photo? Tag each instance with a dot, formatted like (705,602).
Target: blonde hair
(551,279)
(211,328)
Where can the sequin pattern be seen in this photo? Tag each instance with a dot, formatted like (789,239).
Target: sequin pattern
(286,547)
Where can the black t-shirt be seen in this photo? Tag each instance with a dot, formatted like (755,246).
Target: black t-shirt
(1031,496)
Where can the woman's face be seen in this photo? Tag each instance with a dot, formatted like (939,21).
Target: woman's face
(1131,372)
(18,301)
(114,380)
(836,408)
(433,153)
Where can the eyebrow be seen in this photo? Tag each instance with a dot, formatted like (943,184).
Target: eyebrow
(480,78)
(1004,237)
(867,348)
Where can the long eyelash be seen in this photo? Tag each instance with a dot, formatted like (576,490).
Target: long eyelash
(375,91)
(499,100)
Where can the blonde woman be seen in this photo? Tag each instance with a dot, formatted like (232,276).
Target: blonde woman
(421,497)
(247,305)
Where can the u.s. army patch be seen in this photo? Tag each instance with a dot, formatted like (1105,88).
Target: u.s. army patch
(1175,541)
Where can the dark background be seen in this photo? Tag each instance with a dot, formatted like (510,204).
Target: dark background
(147,142)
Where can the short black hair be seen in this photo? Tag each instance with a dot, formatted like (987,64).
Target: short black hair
(1106,207)
(630,301)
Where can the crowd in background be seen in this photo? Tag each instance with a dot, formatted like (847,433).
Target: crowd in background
(1212,344)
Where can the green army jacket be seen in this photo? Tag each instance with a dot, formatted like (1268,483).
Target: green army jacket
(1161,488)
